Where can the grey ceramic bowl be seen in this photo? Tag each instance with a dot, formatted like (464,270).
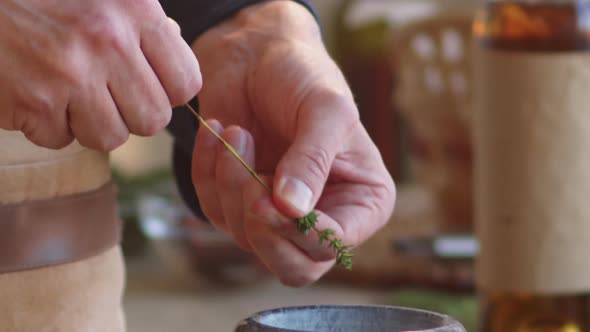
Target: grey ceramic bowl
(349,319)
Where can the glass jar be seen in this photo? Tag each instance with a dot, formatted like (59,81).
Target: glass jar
(533,68)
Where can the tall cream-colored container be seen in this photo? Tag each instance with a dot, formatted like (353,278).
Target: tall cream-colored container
(52,203)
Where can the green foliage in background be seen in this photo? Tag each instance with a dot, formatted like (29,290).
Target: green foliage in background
(367,41)
(130,189)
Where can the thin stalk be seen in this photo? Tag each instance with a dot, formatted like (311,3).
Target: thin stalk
(229,147)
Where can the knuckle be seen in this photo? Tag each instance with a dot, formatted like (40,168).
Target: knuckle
(38,100)
(74,68)
(341,101)
(317,162)
(108,143)
(185,90)
(153,122)
(178,97)
(336,105)
(184,86)
(52,140)
(104,33)
(391,193)
(117,139)
(33,137)
(383,200)
(174,25)
(392,190)
(104,142)
(61,142)
(348,116)
(148,10)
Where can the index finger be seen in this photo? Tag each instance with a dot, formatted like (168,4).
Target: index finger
(172,60)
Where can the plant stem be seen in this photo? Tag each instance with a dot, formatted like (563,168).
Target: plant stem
(305,224)
(229,147)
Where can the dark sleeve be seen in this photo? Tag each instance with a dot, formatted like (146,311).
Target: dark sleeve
(183,128)
(194,18)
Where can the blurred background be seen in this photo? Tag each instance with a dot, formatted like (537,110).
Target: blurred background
(408,63)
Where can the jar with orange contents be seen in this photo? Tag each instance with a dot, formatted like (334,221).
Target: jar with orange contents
(531,143)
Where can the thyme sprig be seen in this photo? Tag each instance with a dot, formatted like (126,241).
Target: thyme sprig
(343,254)
(304,225)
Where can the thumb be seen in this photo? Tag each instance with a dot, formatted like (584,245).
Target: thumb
(323,127)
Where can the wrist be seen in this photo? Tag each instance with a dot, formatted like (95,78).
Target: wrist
(284,18)
(259,26)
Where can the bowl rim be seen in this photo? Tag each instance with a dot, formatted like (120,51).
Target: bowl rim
(450,323)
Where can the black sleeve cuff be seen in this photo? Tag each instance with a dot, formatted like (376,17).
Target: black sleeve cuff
(184,129)
(196,16)
(181,163)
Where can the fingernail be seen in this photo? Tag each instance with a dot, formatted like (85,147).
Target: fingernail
(240,142)
(210,140)
(296,193)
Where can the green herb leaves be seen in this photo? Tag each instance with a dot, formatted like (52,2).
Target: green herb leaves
(307,223)
(343,256)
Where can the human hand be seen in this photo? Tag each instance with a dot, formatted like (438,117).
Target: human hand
(271,83)
(94,70)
